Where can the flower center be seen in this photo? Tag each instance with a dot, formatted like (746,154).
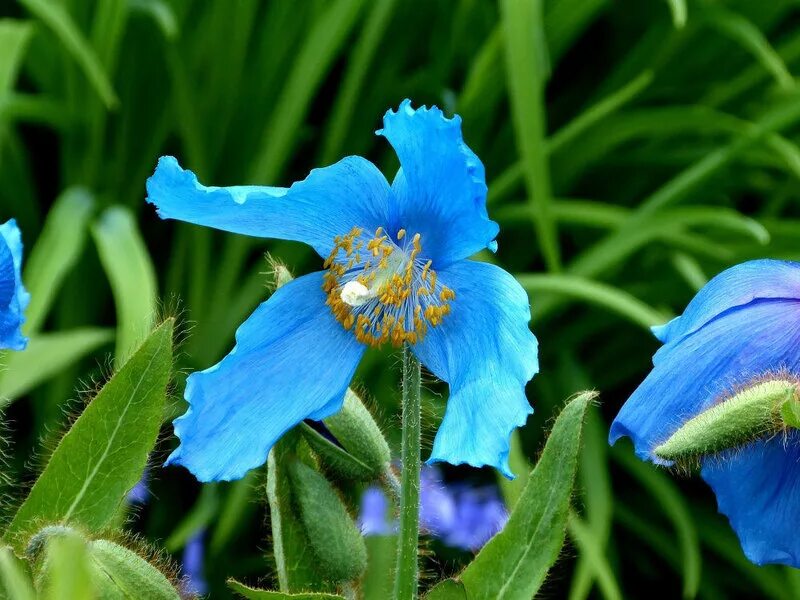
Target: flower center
(383,289)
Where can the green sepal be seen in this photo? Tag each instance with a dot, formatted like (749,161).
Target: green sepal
(71,566)
(66,570)
(757,410)
(790,412)
(339,551)
(364,453)
(293,562)
(15,580)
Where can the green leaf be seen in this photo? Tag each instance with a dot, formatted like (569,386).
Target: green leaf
(130,271)
(57,19)
(14,38)
(290,546)
(255,594)
(339,550)
(103,455)
(47,355)
(14,578)
(515,562)
(449,589)
(57,249)
(122,573)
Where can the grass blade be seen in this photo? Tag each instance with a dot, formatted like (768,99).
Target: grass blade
(593,292)
(56,252)
(527,73)
(57,19)
(130,271)
(46,356)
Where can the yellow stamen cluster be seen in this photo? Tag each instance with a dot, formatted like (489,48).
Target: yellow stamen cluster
(403,295)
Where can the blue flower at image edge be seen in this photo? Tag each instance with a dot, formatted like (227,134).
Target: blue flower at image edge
(14,298)
(395,272)
(743,324)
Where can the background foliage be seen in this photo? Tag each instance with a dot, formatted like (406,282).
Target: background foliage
(633,149)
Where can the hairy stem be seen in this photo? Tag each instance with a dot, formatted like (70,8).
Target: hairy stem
(405,586)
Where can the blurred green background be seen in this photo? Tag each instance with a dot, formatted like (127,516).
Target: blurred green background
(633,149)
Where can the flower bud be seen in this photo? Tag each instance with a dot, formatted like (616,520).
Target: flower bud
(764,408)
(363,454)
(338,548)
(72,566)
(120,572)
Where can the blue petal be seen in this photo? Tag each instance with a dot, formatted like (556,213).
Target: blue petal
(329,202)
(695,371)
(14,298)
(733,288)
(440,190)
(758,489)
(487,354)
(292,361)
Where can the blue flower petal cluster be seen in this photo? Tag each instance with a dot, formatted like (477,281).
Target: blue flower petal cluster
(742,326)
(396,271)
(461,516)
(14,298)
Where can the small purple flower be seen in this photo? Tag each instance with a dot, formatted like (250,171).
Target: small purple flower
(374,516)
(480,515)
(437,511)
(460,516)
(193,559)
(140,493)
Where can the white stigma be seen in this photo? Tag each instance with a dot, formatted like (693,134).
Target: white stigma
(355,293)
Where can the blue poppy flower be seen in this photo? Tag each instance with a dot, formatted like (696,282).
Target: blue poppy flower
(744,324)
(14,298)
(396,271)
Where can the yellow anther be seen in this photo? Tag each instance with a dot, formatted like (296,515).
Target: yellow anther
(394,277)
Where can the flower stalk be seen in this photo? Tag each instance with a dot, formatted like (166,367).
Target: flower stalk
(407,573)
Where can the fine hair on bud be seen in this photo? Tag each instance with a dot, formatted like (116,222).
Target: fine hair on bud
(754,411)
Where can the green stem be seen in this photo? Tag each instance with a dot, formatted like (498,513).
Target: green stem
(405,585)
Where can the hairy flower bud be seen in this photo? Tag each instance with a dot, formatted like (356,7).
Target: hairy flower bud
(339,550)
(763,408)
